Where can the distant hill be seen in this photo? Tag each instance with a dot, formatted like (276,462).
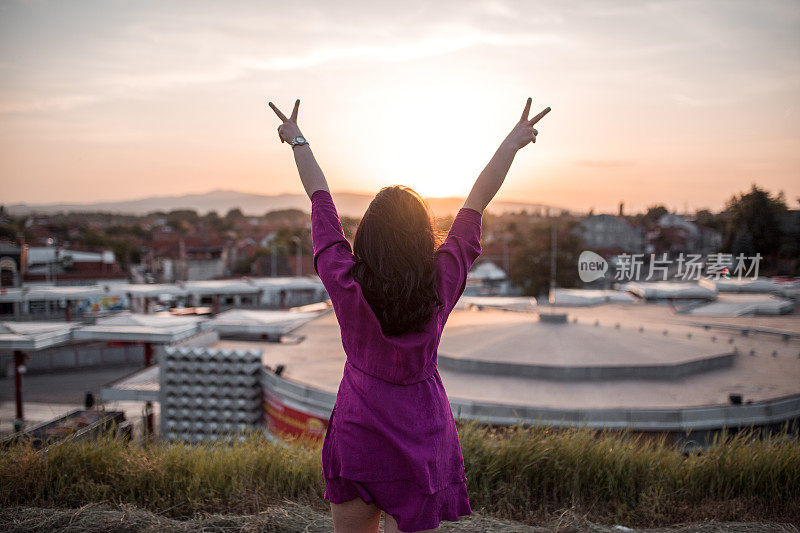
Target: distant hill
(221,201)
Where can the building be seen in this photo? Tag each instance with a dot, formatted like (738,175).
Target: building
(57,265)
(486,278)
(12,264)
(610,234)
(673,233)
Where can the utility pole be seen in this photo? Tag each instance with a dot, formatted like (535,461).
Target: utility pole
(553,263)
(506,253)
(298,255)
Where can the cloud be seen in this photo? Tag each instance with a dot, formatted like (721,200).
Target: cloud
(229,61)
(61,103)
(604,163)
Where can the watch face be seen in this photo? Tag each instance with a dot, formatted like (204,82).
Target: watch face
(299,140)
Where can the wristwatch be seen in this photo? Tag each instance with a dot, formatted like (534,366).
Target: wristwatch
(297,141)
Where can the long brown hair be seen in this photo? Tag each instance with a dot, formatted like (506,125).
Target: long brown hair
(394,246)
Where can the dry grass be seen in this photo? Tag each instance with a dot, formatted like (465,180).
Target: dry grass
(294,518)
(526,474)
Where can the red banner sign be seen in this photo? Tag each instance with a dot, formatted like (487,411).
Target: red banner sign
(282,420)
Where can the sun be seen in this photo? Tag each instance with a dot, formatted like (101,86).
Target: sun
(437,146)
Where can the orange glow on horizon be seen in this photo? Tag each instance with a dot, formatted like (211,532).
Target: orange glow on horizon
(674,103)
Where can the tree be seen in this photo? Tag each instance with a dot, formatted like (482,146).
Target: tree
(529,265)
(234,214)
(287,217)
(654,212)
(217,223)
(760,214)
(181,218)
(8,231)
(743,244)
(706,218)
(349,226)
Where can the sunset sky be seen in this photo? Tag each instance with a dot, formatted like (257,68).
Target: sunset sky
(675,102)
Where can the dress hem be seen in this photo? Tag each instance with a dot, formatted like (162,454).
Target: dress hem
(423,512)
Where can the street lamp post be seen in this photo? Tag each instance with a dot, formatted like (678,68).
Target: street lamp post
(298,255)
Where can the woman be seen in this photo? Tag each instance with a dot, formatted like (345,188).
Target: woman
(391,443)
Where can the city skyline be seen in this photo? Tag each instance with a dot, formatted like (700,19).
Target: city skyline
(678,103)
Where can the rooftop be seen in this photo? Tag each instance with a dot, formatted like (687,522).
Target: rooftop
(625,334)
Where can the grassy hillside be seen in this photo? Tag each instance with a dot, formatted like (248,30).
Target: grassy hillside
(525,474)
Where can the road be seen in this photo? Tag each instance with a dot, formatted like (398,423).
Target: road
(46,396)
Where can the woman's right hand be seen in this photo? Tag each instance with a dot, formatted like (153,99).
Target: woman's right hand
(524,132)
(289,129)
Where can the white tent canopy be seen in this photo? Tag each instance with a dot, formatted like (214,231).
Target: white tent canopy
(248,322)
(509,303)
(762,285)
(133,327)
(663,290)
(151,290)
(745,305)
(220,287)
(586,297)
(224,287)
(59,293)
(487,271)
(34,336)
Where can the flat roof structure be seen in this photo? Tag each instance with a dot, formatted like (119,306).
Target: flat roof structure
(288,283)
(273,324)
(582,297)
(140,386)
(508,303)
(662,290)
(59,293)
(133,327)
(150,290)
(34,336)
(744,305)
(153,290)
(758,285)
(220,287)
(21,338)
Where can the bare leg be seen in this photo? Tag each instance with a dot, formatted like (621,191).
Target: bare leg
(355,516)
(390,526)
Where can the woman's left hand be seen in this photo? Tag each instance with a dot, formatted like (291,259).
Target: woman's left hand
(289,129)
(524,132)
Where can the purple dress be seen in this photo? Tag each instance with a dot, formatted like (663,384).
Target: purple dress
(391,437)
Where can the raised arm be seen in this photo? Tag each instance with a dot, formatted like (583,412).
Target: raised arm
(310,174)
(492,177)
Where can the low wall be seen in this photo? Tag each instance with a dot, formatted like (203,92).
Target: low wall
(686,425)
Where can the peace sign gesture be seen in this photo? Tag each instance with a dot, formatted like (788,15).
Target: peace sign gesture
(524,132)
(288,130)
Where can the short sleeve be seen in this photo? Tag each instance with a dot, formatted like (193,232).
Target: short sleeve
(456,255)
(333,256)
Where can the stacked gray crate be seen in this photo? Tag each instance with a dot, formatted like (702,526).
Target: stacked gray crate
(209,394)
